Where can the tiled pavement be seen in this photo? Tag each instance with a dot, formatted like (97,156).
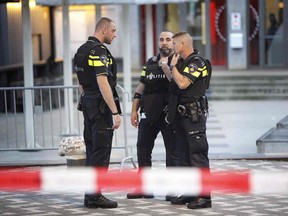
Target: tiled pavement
(40,204)
(229,133)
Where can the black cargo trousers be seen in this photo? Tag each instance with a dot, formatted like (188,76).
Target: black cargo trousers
(147,133)
(98,132)
(192,141)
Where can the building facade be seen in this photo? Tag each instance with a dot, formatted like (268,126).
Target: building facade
(233,35)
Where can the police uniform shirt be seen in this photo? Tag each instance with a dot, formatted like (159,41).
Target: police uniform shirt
(195,69)
(99,59)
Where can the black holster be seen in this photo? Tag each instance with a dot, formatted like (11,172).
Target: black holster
(193,111)
(80,103)
(204,104)
(116,100)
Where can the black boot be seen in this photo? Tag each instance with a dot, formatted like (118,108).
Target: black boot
(135,195)
(200,203)
(99,201)
(170,197)
(181,200)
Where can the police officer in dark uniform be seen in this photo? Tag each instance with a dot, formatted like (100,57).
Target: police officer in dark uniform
(188,110)
(152,97)
(96,72)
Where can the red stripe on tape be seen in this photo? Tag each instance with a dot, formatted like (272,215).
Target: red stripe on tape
(18,180)
(119,180)
(225,182)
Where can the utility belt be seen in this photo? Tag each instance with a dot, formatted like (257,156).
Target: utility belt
(194,109)
(103,107)
(92,93)
(88,93)
(164,110)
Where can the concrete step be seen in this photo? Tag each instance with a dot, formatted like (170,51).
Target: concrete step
(283,123)
(275,140)
(250,85)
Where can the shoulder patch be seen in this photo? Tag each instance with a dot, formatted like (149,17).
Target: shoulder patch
(192,67)
(104,59)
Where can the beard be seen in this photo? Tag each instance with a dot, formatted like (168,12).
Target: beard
(107,40)
(165,51)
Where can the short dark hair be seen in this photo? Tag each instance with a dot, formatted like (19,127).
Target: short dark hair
(178,34)
(102,22)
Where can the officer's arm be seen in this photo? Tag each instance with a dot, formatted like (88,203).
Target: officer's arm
(179,79)
(107,94)
(167,71)
(80,87)
(182,81)
(165,67)
(136,104)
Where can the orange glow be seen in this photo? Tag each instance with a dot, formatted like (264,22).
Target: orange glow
(32,4)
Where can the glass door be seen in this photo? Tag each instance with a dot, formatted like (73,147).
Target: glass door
(218,29)
(196,20)
(274,33)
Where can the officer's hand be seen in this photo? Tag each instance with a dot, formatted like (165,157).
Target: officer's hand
(175,59)
(163,61)
(134,119)
(117,121)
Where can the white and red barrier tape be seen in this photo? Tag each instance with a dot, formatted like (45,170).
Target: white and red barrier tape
(172,180)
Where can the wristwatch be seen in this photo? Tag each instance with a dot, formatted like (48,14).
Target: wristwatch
(161,63)
(172,66)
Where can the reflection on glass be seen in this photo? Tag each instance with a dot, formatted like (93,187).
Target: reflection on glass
(218,31)
(254,24)
(195,16)
(274,33)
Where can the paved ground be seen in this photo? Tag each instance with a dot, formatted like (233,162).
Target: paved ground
(233,128)
(40,204)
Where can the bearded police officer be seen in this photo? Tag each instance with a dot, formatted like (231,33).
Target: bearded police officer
(188,110)
(96,72)
(151,97)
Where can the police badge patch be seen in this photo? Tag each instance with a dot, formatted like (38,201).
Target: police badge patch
(104,59)
(192,67)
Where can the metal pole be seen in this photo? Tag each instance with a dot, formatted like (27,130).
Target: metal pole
(68,95)
(127,56)
(98,12)
(149,32)
(28,74)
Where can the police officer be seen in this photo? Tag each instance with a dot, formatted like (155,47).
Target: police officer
(189,82)
(152,97)
(96,72)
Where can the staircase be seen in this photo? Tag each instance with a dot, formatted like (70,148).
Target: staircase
(240,85)
(249,85)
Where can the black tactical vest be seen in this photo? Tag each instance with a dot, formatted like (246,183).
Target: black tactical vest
(156,93)
(155,79)
(85,73)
